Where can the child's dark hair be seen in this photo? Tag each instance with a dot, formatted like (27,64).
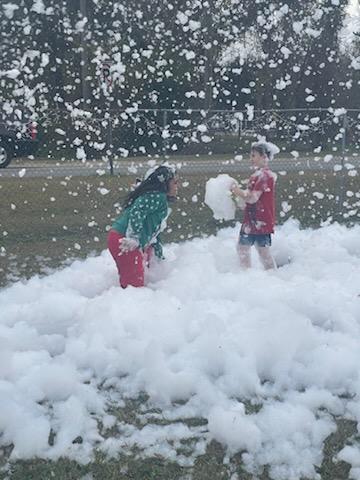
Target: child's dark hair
(157,181)
(262,149)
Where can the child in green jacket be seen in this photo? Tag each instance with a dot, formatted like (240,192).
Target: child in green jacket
(135,233)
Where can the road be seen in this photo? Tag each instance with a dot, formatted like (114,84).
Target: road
(20,168)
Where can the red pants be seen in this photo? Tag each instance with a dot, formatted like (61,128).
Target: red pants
(130,265)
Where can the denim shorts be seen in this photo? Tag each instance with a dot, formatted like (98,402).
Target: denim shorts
(250,239)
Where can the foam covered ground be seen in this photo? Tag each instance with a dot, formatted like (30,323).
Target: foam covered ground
(269,359)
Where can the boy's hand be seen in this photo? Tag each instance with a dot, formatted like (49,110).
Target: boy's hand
(235,189)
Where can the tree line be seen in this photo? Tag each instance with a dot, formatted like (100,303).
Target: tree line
(207,54)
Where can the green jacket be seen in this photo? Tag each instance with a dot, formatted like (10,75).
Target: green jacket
(144,219)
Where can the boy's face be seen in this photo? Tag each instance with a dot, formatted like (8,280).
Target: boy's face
(257,159)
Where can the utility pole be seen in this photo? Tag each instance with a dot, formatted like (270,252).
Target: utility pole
(84,53)
(208,78)
(342,172)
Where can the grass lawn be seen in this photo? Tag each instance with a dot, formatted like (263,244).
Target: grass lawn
(212,465)
(47,222)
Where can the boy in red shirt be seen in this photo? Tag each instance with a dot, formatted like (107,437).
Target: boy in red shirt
(259,214)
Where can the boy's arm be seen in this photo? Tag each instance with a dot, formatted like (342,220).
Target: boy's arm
(247,195)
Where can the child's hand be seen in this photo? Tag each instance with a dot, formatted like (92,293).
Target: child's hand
(235,189)
(128,244)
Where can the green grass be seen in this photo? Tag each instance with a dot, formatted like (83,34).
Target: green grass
(208,466)
(46,222)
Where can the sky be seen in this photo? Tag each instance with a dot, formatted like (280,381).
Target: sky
(202,339)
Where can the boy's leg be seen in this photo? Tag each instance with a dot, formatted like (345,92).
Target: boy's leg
(243,247)
(244,255)
(263,244)
(266,258)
